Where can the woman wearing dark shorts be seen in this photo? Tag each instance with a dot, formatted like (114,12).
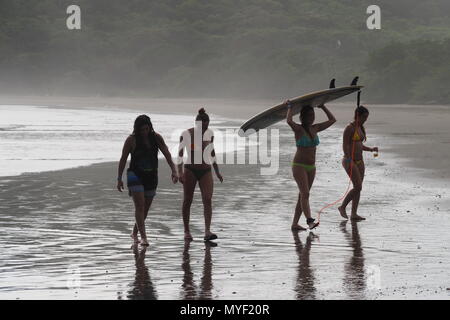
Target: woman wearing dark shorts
(142,175)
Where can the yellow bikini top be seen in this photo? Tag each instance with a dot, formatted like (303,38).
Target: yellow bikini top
(356,136)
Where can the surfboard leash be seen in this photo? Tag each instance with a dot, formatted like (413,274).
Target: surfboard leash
(351,167)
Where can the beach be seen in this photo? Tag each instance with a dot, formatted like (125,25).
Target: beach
(65,233)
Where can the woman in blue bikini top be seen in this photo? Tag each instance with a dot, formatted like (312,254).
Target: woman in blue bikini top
(303,166)
(306,141)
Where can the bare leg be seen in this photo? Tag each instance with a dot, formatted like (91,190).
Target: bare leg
(135,237)
(304,181)
(298,212)
(139,205)
(355,201)
(344,204)
(189,184)
(357,176)
(148,203)
(206,184)
(298,209)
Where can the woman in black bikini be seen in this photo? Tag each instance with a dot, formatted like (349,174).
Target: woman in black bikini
(197,140)
(353,163)
(142,176)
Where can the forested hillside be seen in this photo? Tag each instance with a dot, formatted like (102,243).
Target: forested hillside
(225,48)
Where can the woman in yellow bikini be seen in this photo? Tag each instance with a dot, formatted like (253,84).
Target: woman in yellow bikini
(303,166)
(353,163)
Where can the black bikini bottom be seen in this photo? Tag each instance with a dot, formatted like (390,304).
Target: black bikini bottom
(198,173)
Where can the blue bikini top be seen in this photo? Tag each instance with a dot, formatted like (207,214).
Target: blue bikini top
(306,141)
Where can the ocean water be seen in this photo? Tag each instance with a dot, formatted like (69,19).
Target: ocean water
(38,139)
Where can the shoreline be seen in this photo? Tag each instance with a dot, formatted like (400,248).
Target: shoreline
(421,168)
(409,126)
(136,102)
(426,124)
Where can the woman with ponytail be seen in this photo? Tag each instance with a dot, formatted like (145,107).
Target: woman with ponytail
(353,163)
(142,175)
(198,142)
(303,166)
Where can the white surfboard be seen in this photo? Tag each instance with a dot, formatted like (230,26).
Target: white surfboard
(278,112)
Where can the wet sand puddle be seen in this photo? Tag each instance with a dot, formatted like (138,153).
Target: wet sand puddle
(65,234)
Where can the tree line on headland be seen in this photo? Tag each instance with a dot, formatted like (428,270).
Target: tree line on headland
(226,48)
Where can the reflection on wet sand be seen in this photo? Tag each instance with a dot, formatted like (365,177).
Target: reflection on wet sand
(354,278)
(142,287)
(64,224)
(189,288)
(304,288)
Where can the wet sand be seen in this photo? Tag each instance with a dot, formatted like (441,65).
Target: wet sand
(65,234)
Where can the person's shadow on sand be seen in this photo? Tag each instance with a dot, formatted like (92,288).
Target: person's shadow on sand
(189,288)
(142,287)
(354,278)
(304,288)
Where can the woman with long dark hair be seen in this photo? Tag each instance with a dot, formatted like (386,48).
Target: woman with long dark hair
(142,175)
(353,163)
(303,166)
(198,142)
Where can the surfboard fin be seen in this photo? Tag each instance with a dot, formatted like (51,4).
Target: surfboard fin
(333,83)
(355,81)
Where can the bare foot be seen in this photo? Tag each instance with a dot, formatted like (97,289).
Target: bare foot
(342,212)
(297,228)
(135,238)
(188,237)
(355,217)
(144,242)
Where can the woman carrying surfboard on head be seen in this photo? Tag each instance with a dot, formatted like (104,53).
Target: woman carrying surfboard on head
(353,163)
(303,166)
(197,140)
(142,175)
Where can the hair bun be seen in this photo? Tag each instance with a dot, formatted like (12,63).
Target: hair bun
(201,111)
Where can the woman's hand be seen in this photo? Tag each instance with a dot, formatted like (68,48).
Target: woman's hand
(375,149)
(174,177)
(288,103)
(120,185)
(219,176)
